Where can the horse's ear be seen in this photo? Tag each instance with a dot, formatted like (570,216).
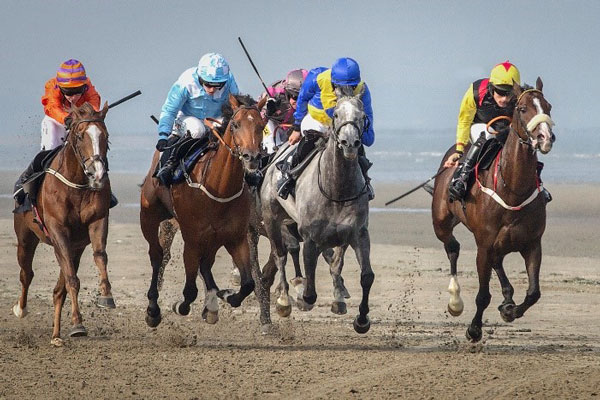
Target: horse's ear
(262,102)
(104,110)
(233,101)
(539,84)
(361,91)
(517,89)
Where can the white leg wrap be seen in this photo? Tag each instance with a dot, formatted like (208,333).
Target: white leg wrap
(19,312)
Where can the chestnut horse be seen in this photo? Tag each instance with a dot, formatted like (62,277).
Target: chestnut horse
(70,212)
(505,210)
(212,209)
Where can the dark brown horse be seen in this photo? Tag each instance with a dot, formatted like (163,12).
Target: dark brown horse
(505,209)
(71,211)
(212,209)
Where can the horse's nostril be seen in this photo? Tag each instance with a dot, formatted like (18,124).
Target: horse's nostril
(356,143)
(553,138)
(344,142)
(247,157)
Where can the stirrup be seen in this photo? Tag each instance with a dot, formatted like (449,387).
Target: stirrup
(457,189)
(283,188)
(164,175)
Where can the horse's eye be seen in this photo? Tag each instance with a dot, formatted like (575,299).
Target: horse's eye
(522,109)
(235,125)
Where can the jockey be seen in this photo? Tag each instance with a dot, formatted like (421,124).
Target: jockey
(198,93)
(484,100)
(316,102)
(280,108)
(70,87)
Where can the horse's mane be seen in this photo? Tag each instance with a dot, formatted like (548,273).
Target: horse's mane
(526,87)
(85,111)
(227,110)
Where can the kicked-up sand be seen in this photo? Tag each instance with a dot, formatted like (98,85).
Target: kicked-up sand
(414,349)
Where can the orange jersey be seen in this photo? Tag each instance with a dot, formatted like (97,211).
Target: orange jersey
(57,107)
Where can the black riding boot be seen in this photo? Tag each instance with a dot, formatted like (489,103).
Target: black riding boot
(113,200)
(365,164)
(285,182)
(460,180)
(547,195)
(19,193)
(165,174)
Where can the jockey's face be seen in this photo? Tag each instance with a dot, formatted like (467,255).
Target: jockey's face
(73,99)
(502,98)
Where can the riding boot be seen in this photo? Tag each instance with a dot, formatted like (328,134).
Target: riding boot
(19,193)
(113,200)
(547,195)
(285,181)
(165,174)
(365,164)
(460,180)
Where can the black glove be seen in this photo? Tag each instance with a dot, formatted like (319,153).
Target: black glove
(162,143)
(68,122)
(271,106)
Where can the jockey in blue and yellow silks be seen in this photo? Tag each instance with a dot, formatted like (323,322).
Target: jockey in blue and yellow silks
(314,111)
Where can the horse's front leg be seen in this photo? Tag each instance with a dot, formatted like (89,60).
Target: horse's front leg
(262,295)
(98,231)
(507,307)
(484,271)
(240,253)
(335,259)
(191,262)
(150,222)
(362,248)
(533,262)
(310,254)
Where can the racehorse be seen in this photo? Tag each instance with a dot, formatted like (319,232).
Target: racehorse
(505,210)
(212,209)
(69,212)
(331,209)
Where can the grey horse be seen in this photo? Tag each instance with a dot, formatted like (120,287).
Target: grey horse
(331,210)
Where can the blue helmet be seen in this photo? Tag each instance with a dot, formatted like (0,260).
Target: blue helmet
(213,68)
(345,71)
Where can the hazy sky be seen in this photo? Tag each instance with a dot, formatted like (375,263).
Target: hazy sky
(418,57)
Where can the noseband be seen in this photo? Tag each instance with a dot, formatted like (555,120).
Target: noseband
(236,150)
(533,123)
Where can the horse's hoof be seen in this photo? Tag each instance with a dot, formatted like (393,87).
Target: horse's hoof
(57,342)
(507,312)
(339,308)
(106,302)
(153,322)
(20,312)
(283,311)
(303,305)
(211,317)
(474,334)
(361,328)
(77,331)
(454,311)
(180,308)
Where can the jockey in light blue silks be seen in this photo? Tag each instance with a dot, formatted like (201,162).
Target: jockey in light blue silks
(314,111)
(198,93)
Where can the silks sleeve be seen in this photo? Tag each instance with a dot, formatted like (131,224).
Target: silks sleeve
(466,115)
(52,102)
(369,136)
(175,100)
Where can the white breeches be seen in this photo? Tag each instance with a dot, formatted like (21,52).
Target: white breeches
(193,125)
(309,123)
(476,130)
(273,140)
(53,133)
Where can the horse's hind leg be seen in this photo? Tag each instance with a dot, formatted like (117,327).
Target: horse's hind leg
(484,271)
(443,227)
(150,221)
(191,260)
(58,299)
(262,294)
(507,307)
(168,230)
(98,232)
(310,254)
(362,248)
(335,259)
(27,243)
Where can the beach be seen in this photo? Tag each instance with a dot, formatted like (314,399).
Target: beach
(414,349)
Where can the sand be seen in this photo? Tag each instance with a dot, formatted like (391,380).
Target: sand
(414,349)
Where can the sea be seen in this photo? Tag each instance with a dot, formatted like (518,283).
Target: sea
(398,155)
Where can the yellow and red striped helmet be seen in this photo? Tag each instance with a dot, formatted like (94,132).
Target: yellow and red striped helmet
(71,74)
(504,74)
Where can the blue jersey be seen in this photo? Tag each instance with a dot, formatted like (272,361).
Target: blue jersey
(188,96)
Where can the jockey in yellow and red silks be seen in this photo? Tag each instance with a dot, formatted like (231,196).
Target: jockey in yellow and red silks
(314,111)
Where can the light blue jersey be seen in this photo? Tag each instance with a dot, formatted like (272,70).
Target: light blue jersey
(187,97)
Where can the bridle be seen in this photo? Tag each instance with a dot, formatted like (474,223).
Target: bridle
(529,127)
(85,162)
(236,150)
(335,131)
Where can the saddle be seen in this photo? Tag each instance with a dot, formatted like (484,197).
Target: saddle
(33,183)
(488,153)
(188,152)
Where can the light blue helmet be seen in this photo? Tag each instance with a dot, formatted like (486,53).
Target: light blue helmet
(213,68)
(345,71)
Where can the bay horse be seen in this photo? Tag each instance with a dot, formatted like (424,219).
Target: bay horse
(511,217)
(70,211)
(331,210)
(212,210)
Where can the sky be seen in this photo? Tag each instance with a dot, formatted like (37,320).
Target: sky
(418,57)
